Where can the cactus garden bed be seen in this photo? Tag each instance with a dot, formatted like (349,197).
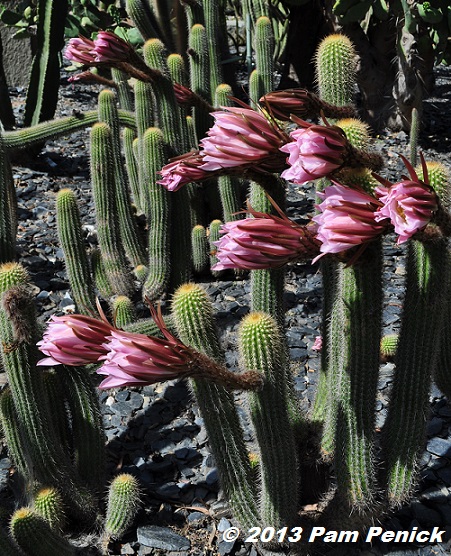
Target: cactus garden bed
(156,432)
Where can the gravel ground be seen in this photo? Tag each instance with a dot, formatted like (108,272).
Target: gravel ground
(156,432)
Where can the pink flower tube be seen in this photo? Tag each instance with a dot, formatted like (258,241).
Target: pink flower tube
(110,48)
(240,137)
(347,219)
(74,340)
(409,204)
(315,152)
(81,50)
(265,241)
(182,170)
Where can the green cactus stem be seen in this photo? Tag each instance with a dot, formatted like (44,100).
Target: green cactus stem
(131,165)
(70,235)
(264,50)
(158,211)
(193,316)
(150,328)
(124,499)
(108,113)
(214,16)
(107,221)
(143,18)
(404,433)
(213,236)
(7,547)
(30,136)
(200,77)
(56,391)
(50,464)
(260,344)
(35,536)
(99,275)
(48,503)
(42,93)
(389,345)
(124,91)
(87,426)
(200,249)
(335,62)
(414,135)
(8,214)
(123,311)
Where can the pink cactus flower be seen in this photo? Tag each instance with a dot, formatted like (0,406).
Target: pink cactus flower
(315,152)
(110,48)
(137,359)
(74,340)
(81,50)
(182,170)
(409,204)
(318,343)
(241,137)
(347,219)
(264,241)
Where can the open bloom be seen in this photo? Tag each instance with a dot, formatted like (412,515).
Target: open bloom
(240,137)
(264,241)
(315,152)
(74,340)
(409,204)
(108,47)
(182,170)
(81,50)
(347,219)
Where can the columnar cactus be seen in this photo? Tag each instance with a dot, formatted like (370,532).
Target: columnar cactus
(200,249)
(48,503)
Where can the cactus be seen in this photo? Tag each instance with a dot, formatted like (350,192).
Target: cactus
(7,548)
(214,236)
(127,225)
(35,536)
(413,136)
(8,218)
(192,313)
(99,275)
(30,136)
(264,48)
(157,208)
(48,503)
(213,13)
(335,69)
(42,94)
(123,311)
(428,268)
(200,249)
(260,345)
(143,18)
(50,464)
(75,256)
(389,345)
(123,503)
(103,187)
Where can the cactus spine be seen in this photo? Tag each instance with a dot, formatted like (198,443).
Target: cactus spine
(75,257)
(103,186)
(123,311)
(35,536)
(214,236)
(48,503)
(260,344)
(192,313)
(200,249)
(8,218)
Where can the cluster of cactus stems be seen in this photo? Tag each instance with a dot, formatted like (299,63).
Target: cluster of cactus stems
(61,460)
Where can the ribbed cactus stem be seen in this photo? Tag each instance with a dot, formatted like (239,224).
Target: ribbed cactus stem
(264,51)
(145,118)
(99,275)
(8,217)
(123,311)
(11,431)
(107,221)
(158,212)
(124,499)
(35,536)
(177,69)
(214,15)
(143,18)
(51,465)
(124,91)
(335,69)
(214,236)
(260,344)
(149,327)
(428,270)
(25,138)
(389,345)
(87,427)
(414,135)
(192,313)
(200,249)
(131,165)
(141,272)
(200,76)
(48,503)
(55,389)
(70,235)
(355,337)
(356,131)
(108,113)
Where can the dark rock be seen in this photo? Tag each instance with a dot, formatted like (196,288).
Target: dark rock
(162,537)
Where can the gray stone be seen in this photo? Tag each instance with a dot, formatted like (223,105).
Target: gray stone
(17,57)
(162,537)
(225,547)
(439,447)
